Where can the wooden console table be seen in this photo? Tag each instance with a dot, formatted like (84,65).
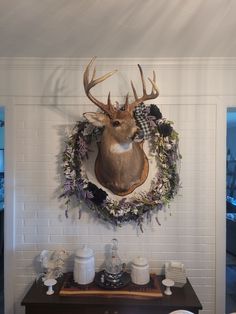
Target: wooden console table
(37,302)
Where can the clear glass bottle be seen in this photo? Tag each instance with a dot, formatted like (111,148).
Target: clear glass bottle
(113,264)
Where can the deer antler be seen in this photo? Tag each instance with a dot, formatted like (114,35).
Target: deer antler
(154,93)
(108,108)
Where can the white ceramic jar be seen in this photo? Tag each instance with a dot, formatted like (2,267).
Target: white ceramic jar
(140,271)
(84,268)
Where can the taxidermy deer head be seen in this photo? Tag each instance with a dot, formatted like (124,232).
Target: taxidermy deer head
(121,164)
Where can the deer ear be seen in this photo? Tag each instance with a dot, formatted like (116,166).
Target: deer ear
(97,119)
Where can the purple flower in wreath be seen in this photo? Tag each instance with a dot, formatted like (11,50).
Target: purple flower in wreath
(68,186)
(83,147)
(99,195)
(88,195)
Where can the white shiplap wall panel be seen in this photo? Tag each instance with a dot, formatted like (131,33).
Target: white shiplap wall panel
(188,234)
(46,96)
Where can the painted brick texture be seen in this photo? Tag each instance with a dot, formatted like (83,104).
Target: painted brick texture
(47,97)
(187,231)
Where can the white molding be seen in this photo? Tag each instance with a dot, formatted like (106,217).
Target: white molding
(74,63)
(200,100)
(220,222)
(9,213)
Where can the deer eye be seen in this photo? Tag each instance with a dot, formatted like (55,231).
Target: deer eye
(115,123)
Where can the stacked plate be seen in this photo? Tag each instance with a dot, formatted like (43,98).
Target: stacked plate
(181,312)
(176,272)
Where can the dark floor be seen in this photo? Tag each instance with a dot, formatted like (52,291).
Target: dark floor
(1,285)
(230,283)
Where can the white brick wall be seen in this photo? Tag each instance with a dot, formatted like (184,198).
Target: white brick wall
(188,234)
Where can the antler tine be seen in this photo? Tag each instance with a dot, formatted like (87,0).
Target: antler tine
(154,93)
(109,104)
(126,105)
(109,109)
(94,73)
(154,88)
(142,79)
(154,85)
(134,91)
(154,76)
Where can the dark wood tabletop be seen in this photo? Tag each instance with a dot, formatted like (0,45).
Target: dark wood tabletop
(36,301)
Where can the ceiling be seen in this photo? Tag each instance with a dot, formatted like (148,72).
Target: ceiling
(112,28)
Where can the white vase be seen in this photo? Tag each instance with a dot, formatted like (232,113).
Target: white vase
(84,266)
(140,271)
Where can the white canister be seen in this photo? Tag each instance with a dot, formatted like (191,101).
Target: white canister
(84,268)
(140,271)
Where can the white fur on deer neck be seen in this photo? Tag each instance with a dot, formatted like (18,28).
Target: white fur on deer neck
(121,148)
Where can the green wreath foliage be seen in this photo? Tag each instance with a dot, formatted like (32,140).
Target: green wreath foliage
(163,144)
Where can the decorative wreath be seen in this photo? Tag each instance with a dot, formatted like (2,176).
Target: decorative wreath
(163,144)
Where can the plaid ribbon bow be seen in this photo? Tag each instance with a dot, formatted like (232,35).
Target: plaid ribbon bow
(141,118)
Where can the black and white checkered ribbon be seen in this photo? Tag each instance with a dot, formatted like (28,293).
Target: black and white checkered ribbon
(141,118)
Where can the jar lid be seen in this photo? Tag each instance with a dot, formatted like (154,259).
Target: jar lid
(84,252)
(140,261)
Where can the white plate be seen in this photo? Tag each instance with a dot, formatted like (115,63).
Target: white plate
(181,312)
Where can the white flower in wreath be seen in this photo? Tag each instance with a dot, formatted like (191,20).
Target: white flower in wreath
(168,146)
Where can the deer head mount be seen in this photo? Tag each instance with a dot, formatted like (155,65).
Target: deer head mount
(121,164)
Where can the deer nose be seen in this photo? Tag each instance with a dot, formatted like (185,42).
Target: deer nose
(139,136)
